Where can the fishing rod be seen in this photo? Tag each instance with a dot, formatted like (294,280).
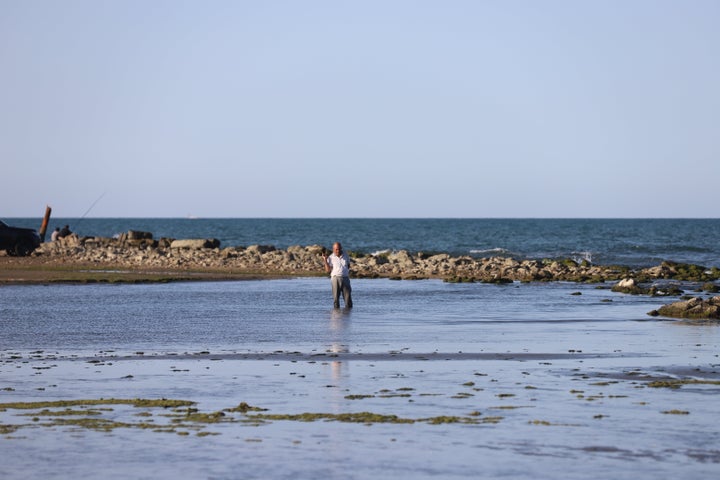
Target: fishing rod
(88,210)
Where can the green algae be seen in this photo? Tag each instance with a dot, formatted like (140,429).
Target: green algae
(198,417)
(491,420)
(244,408)
(98,424)
(677,383)
(449,419)
(89,418)
(372,418)
(185,418)
(361,417)
(462,395)
(510,407)
(8,429)
(540,422)
(66,412)
(136,402)
(545,423)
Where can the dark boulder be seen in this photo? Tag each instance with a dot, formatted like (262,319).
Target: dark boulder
(694,308)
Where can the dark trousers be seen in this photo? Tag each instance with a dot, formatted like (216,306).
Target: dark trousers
(341,284)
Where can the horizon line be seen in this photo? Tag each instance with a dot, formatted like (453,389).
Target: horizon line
(366,218)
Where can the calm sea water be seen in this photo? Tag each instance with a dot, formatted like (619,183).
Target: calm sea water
(632,242)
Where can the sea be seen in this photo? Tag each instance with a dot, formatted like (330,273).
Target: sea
(470,380)
(629,242)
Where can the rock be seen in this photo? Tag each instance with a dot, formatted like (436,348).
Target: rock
(260,249)
(498,279)
(680,271)
(316,250)
(629,285)
(71,240)
(663,270)
(665,291)
(439,258)
(134,248)
(694,308)
(228,253)
(196,244)
(402,258)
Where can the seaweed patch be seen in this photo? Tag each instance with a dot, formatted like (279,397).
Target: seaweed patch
(677,383)
(184,418)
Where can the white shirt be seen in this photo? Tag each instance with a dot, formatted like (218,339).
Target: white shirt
(340,265)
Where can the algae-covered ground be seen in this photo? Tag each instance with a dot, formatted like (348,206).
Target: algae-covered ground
(333,414)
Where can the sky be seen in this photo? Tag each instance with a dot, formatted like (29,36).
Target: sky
(388,108)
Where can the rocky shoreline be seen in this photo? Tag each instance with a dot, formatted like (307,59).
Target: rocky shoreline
(138,257)
(139,250)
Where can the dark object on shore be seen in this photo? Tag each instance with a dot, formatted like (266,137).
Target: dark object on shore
(694,308)
(65,232)
(139,235)
(18,241)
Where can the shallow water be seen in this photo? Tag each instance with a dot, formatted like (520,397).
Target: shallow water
(568,375)
(295,314)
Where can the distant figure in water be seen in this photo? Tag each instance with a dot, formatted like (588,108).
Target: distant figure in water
(338,266)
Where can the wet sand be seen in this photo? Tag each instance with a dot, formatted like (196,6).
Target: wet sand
(40,270)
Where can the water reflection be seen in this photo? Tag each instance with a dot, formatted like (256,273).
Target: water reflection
(340,319)
(339,326)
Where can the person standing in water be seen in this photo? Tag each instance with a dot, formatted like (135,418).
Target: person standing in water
(338,266)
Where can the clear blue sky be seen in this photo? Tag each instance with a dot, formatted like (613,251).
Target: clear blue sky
(360,109)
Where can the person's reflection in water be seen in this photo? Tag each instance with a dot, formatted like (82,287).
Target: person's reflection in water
(339,323)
